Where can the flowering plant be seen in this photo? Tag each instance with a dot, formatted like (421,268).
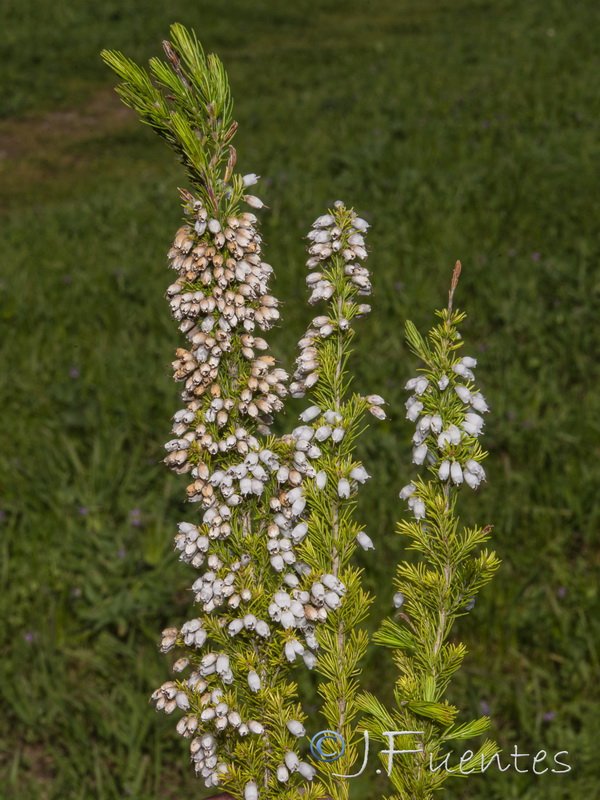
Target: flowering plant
(276,530)
(432,593)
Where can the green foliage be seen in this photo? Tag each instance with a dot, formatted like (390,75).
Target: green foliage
(434,592)
(193,113)
(451,126)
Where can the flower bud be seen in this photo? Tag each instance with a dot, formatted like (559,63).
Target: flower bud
(407,491)
(311,413)
(251,791)
(343,488)
(463,393)
(444,470)
(254,681)
(254,202)
(364,541)
(306,770)
(418,508)
(310,659)
(359,474)
(321,479)
(456,472)
(296,728)
(291,760)
(419,454)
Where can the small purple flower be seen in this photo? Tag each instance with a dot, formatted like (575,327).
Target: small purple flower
(74,372)
(134,517)
(484,708)
(29,636)
(121,553)
(399,286)
(548,716)
(535,256)
(561,591)
(83,510)
(76,591)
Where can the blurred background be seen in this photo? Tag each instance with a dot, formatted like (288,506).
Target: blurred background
(459,130)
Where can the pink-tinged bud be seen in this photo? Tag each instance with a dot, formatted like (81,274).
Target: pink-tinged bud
(254,202)
(377,412)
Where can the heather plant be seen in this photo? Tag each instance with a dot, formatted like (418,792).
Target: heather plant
(433,592)
(276,529)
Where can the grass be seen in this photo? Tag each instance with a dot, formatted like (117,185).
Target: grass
(461,130)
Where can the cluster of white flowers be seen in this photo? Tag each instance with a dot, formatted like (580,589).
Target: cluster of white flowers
(447,428)
(203,750)
(329,237)
(226,262)
(219,299)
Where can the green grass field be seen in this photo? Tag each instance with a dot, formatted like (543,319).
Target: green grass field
(465,129)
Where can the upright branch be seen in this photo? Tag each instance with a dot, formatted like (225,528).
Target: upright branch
(189,105)
(239,704)
(330,587)
(433,592)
